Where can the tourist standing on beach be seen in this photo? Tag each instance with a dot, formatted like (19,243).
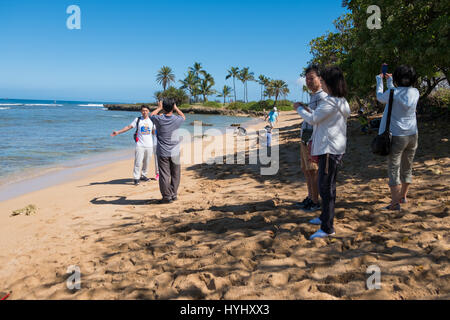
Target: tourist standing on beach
(144,145)
(168,148)
(329,142)
(308,164)
(273,117)
(403,128)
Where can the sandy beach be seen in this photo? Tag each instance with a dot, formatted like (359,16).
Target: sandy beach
(234,233)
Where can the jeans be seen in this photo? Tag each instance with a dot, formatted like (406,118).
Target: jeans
(327,188)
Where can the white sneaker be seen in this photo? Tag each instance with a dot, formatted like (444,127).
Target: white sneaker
(321,234)
(316,221)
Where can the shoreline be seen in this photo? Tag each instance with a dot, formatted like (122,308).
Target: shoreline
(36,178)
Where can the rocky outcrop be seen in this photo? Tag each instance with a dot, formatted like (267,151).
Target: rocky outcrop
(193,110)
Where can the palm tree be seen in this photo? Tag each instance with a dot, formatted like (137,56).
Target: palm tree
(190,83)
(263,81)
(305,90)
(233,72)
(165,77)
(226,91)
(246,76)
(196,69)
(206,85)
(279,87)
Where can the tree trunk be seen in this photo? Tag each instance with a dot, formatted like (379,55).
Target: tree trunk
(234,85)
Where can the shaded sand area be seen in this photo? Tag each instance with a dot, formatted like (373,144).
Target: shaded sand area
(233,233)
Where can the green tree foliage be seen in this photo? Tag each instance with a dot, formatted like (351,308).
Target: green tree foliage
(276,88)
(226,91)
(412,32)
(234,73)
(179,95)
(165,76)
(191,83)
(264,82)
(245,76)
(206,85)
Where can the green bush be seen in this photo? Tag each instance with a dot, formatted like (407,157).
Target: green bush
(212,104)
(237,106)
(185,106)
(179,95)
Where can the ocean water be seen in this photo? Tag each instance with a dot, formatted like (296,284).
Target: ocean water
(36,134)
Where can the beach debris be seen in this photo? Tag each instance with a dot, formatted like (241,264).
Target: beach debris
(28,211)
(6,297)
(235,125)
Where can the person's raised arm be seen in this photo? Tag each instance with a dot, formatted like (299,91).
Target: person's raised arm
(382,97)
(157,110)
(179,112)
(125,129)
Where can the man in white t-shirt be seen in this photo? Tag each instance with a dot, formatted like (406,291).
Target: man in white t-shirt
(144,144)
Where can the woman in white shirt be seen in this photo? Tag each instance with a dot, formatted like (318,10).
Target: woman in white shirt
(329,142)
(403,128)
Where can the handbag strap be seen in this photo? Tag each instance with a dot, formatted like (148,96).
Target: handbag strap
(388,121)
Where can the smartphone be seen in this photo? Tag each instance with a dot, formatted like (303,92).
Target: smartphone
(384,68)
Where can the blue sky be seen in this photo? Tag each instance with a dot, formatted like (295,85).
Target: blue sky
(122,44)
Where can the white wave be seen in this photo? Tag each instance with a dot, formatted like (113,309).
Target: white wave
(43,105)
(4,108)
(11,104)
(106,109)
(90,105)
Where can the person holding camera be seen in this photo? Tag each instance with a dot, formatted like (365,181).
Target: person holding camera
(144,145)
(168,148)
(403,128)
(309,164)
(329,142)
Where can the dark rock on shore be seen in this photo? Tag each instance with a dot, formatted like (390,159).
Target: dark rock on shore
(192,110)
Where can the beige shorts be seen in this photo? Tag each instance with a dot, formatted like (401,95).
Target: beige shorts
(305,158)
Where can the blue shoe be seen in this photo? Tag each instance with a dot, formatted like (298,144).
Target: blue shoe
(316,221)
(321,234)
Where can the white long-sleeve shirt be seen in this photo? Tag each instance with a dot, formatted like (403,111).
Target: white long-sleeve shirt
(403,116)
(330,125)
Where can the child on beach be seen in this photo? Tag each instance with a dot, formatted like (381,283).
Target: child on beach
(272,116)
(144,145)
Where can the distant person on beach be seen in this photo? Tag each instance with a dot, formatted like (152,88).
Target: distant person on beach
(309,164)
(168,148)
(329,142)
(273,117)
(403,128)
(144,145)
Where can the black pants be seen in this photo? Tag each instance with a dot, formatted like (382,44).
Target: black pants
(327,189)
(169,176)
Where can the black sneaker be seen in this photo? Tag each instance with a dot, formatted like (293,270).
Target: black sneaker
(136,182)
(174,198)
(144,178)
(304,203)
(312,207)
(164,201)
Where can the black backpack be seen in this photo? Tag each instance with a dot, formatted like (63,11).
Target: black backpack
(135,136)
(381,145)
